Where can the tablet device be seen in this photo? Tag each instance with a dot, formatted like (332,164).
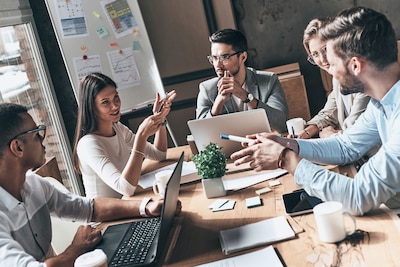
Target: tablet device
(299,202)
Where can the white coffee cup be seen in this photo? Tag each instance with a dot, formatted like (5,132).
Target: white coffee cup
(329,217)
(295,126)
(95,258)
(160,182)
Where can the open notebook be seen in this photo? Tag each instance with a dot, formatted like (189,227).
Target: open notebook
(242,123)
(140,243)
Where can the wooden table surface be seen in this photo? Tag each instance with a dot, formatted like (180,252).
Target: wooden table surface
(195,235)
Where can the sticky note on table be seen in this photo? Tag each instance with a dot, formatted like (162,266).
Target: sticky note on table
(252,202)
(274,183)
(263,190)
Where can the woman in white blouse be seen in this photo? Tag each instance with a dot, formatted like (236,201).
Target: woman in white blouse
(107,153)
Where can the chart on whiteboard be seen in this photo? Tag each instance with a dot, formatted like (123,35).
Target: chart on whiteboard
(124,68)
(85,66)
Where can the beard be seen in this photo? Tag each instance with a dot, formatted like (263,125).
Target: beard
(350,84)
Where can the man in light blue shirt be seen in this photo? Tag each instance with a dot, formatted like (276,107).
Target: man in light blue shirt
(362,53)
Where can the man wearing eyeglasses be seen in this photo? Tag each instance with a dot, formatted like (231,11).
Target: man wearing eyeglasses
(237,87)
(27,200)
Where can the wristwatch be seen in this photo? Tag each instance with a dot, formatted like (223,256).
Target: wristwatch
(249,98)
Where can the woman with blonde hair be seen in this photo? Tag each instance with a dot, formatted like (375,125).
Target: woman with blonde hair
(340,111)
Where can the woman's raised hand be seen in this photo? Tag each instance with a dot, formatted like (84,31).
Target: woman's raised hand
(163,106)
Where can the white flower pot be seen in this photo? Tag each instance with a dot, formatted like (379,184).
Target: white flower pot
(213,187)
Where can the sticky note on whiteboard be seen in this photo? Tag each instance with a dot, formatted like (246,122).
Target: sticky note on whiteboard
(136,46)
(101,31)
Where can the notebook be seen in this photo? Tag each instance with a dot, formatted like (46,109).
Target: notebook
(241,123)
(157,230)
(255,234)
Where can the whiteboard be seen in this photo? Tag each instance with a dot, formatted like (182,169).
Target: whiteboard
(108,36)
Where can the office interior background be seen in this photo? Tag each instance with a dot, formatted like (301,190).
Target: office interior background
(32,70)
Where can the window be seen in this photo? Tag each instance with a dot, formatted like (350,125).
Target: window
(23,80)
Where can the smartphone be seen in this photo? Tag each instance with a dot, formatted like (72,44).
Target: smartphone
(299,202)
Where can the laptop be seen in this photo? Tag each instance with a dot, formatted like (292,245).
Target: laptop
(125,245)
(241,123)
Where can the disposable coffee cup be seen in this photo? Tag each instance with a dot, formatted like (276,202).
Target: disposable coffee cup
(95,258)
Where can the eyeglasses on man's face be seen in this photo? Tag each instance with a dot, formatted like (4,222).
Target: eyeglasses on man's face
(39,130)
(223,58)
(316,55)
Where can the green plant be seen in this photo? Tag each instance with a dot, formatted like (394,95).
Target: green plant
(211,162)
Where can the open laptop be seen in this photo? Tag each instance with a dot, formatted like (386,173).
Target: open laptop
(115,237)
(241,123)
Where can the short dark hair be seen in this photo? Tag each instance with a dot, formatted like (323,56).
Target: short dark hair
(230,37)
(89,87)
(11,123)
(363,32)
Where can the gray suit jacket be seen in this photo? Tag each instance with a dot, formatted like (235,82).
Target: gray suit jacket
(263,85)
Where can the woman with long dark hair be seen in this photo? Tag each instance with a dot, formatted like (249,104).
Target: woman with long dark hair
(107,153)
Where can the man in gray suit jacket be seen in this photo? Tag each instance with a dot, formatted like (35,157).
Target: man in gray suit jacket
(237,87)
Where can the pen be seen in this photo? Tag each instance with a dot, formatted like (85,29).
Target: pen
(236,138)
(226,201)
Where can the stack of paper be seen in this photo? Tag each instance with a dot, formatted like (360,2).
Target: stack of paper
(255,234)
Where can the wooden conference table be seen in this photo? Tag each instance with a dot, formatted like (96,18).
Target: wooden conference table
(195,240)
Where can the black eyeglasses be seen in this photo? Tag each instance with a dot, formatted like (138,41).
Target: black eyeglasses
(223,58)
(315,55)
(40,131)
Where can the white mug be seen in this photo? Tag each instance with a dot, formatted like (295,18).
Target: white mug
(95,258)
(295,126)
(160,182)
(329,217)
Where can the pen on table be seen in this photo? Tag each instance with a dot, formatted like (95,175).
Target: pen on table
(236,138)
(226,201)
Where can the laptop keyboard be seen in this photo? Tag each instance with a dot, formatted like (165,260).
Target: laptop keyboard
(134,247)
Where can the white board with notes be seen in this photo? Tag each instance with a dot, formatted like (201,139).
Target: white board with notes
(108,36)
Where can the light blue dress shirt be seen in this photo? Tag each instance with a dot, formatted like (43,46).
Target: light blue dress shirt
(378,179)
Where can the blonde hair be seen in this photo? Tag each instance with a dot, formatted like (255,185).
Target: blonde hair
(312,30)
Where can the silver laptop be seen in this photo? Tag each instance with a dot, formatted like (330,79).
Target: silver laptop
(141,243)
(241,123)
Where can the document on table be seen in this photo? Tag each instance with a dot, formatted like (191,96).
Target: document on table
(146,180)
(246,181)
(255,234)
(260,258)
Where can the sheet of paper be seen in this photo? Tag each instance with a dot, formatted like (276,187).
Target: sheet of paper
(222,204)
(260,258)
(246,181)
(146,180)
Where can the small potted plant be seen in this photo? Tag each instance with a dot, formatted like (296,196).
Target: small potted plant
(211,167)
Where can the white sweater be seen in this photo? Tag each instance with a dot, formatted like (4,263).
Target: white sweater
(102,160)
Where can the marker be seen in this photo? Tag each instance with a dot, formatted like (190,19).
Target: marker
(236,138)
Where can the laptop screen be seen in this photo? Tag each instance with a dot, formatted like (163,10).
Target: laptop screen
(241,123)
